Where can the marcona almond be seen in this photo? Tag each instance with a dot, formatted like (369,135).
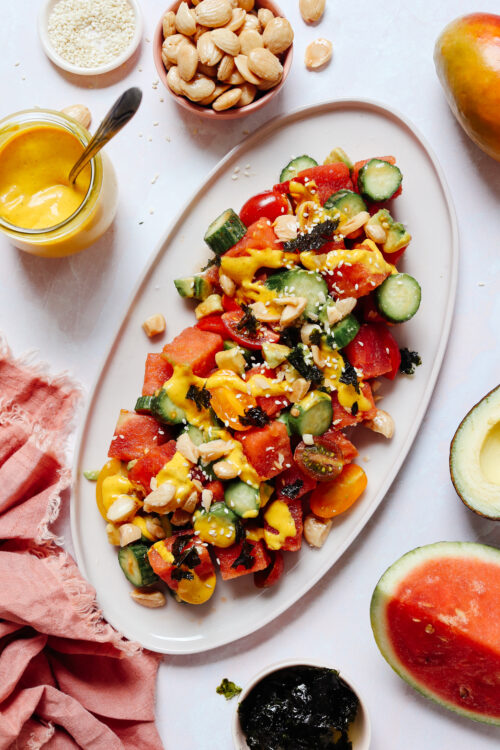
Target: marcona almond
(197,89)
(278,35)
(199,31)
(247,5)
(80,113)
(174,80)
(226,67)
(265,65)
(241,62)
(237,19)
(214,13)
(218,90)
(227,41)
(266,85)
(250,40)
(318,53)
(264,15)
(252,23)
(207,70)
(187,61)
(208,52)
(170,47)
(286,227)
(185,20)
(148,598)
(227,100)
(248,93)
(312,10)
(169,26)
(154,325)
(236,79)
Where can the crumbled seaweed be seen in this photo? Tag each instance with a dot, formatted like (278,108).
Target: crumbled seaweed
(182,556)
(409,360)
(349,376)
(292,490)
(245,557)
(215,261)
(290,337)
(248,322)
(315,337)
(312,373)
(255,416)
(299,708)
(178,574)
(200,396)
(313,240)
(354,408)
(228,689)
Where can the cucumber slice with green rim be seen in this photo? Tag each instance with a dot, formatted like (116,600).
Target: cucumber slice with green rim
(295,166)
(194,287)
(144,404)
(347,202)
(301,283)
(343,332)
(164,409)
(398,297)
(315,414)
(134,562)
(225,232)
(242,498)
(378,180)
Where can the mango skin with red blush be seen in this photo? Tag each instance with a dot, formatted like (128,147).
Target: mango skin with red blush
(467,59)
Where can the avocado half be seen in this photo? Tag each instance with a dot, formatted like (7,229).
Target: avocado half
(475,457)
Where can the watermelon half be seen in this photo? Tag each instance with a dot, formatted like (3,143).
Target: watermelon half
(435,615)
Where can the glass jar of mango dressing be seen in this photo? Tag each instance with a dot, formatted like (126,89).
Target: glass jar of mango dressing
(39,210)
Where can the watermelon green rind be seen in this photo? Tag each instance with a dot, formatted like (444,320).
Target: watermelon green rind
(383,594)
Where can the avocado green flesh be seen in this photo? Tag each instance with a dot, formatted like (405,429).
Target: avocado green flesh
(475,457)
(431,615)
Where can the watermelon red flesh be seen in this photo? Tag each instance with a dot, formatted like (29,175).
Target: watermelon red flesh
(291,543)
(438,626)
(194,348)
(267,449)
(156,372)
(228,555)
(135,434)
(151,464)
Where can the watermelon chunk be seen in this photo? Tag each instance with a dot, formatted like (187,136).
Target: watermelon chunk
(134,435)
(267,449)
(291,543)
(194,348)
(157,370)
(227,556)
(292,478)
(435,615)
(150,464)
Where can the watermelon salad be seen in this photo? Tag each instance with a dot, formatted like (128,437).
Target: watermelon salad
(237,448)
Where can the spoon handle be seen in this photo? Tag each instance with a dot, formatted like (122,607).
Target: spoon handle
(120,113)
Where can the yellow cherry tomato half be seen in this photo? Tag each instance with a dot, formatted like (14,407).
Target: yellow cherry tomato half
(330,499)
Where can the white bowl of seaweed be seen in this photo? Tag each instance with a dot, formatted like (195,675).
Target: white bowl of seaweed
(301,704)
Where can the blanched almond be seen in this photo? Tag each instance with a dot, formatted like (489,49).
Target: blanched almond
(169,26)
(264,15)
(241,62)
(248,93)
(208,52)
(170,47)
(199,31)
(148,598)
(185,20)
(250,40)
(227,41)
(214,13)
(312,10)
(174,80)
(80,113)
(226,67)
(154,325)
(252,23)
(286,227)
(237,19)
(318,53)
(278,35)
(265,65)
(316,530)
(235,79)
(218,90)
(187,61)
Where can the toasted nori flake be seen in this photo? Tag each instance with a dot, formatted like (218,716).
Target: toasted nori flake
(315,337)
(292,490)
(349,376)
(182,556)
(409,360)
(248,322)
(313,240)
(200,396)
(178,574)
(299,708)
(215,261)
(312,373)
(354,408)
(290,337)
(228,689)
(255,416)
(245,557)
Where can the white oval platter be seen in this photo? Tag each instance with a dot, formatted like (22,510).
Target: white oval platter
(363,129)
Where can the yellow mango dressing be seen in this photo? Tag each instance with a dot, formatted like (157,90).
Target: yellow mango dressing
(40,210)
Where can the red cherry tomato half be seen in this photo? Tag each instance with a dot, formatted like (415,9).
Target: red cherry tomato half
(263,334)
(212,323)
(267,205)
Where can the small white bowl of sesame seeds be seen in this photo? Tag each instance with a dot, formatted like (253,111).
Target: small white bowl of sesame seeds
(90,37)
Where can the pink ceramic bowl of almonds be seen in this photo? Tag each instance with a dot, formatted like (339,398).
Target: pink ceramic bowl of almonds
(223,59)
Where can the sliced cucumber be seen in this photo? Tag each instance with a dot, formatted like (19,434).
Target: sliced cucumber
(164,409)
(295,166)
(144,404)
(134,562)
(315,414)
(378,180)
(242,498)
(194,287)
(398,297)
(346,202)
(301,283)
(225,232)
(285,418)
(343,332)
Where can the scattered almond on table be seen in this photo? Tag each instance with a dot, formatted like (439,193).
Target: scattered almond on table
(223,53)
(312,10)
(154,325)
(318,54)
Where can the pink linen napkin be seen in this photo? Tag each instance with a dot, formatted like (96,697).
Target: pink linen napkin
(67,679)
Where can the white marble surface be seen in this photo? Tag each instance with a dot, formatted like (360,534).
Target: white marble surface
(69,309)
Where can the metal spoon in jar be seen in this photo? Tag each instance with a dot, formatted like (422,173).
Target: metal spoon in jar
(120,113)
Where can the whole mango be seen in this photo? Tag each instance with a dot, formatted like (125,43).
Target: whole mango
(467,59)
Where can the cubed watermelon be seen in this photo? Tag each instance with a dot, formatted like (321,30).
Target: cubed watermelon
(246,551)
(156,372)
(150,464)
(134,435)
(268,449)
(194,348)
